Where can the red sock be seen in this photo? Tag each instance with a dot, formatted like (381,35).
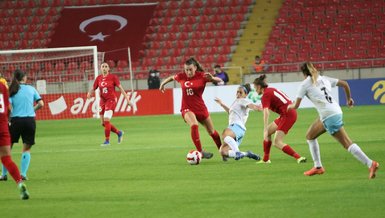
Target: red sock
(107,129)
(288,150)
(12,168)
(195,137)
(266,150)
(114,129)
(216,139)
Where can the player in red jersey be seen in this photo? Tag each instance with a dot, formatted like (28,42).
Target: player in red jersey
(277,101)
(193,82)
(5,143)
(106,83)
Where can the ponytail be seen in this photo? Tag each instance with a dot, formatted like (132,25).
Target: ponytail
(260,81)
(308,69)
(18,75)
(193,61)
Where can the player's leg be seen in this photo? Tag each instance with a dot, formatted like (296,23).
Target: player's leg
(15,132)
(28,137)
(342,137)
(229,136)
(284,125)
(271,129)
(107,127)
(6,160)
(208,124)
(316,129)
(192,121)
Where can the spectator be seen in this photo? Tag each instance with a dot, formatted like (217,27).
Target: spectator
(221,74)
(153,80)
(259,65)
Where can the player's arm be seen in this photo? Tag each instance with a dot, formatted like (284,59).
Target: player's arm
(93,88)
(225,107)
(346,87)
(255,107)
(164,82)
(124,93)
(39,104)
(295,105)
(213,79)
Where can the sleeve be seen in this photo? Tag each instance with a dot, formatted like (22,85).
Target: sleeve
(333,81)
(301,92)
(36,95)
(177,77)
(96,82)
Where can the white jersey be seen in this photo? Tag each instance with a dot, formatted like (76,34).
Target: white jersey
(239,112)
(320,95)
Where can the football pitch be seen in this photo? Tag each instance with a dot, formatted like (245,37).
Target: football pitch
(147,175)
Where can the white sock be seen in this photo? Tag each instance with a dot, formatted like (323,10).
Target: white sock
(232,143)
(356,151)
(315,152)
(231,153)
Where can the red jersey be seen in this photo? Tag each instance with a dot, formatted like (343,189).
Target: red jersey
(192,90)
(106,85)
(4,105)
(275,100)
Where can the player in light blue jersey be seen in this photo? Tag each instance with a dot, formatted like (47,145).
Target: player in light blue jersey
(25,100)
(238,114)
(317,89)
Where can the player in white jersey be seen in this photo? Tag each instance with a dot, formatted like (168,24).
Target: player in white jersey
(318,89)
(238,113)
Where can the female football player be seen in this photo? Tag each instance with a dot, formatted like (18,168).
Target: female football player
(193,82)
(276,101)
(318,89)
(106,82)
(238,113)
(5,143)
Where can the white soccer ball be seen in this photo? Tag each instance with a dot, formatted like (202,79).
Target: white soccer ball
(194,157)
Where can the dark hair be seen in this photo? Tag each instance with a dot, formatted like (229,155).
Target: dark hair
(261,81)
(195,63)
(217,66)
(257,56)
(246,87)
(305,69)
(18,75)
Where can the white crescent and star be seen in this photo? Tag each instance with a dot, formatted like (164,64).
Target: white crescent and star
(102,84)
(100,36)
(188,84)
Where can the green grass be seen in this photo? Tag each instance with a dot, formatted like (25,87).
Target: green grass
(147,175)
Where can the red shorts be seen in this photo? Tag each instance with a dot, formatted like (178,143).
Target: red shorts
(201,115)
(5,139)
(107,105)
(286,121)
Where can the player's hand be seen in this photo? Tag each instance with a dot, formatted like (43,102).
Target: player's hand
(161,88)
(89,95)
(209,76)
(218,100)
(291,106)
(350,102)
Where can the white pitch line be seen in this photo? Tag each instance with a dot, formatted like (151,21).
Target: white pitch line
(107,148)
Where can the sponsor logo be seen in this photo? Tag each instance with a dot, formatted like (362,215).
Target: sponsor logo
(379,91)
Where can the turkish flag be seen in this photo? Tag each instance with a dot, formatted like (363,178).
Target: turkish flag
(112,28)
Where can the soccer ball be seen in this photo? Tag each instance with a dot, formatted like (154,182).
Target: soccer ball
(194,157)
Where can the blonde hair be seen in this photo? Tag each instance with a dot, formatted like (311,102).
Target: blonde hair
(308,69)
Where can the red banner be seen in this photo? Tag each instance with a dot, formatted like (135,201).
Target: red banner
(76,105)
(113,28)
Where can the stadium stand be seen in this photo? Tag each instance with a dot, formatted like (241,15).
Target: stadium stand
(338,34)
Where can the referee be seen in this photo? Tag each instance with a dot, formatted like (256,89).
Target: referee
(23,98)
